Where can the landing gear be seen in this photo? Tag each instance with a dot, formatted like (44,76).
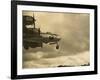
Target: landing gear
(25,45)
(57,46)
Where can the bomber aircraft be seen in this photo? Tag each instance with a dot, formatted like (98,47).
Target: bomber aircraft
(33,37)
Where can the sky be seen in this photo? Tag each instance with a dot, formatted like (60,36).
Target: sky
(73,29)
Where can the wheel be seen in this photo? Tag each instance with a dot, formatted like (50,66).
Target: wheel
(57,47)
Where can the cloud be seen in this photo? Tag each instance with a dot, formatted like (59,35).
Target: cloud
(40,61)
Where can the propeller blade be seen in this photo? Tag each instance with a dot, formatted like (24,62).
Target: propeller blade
(34,20)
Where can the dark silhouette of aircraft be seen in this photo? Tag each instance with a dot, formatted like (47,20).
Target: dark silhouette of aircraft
(33,37)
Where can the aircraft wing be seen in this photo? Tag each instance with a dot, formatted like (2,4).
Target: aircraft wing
(36,40)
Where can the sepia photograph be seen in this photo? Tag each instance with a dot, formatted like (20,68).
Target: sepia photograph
(52,39)
(55,39)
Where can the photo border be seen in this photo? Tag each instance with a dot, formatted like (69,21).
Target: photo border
(14,4)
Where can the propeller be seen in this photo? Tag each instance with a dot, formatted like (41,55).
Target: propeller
(34,20)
